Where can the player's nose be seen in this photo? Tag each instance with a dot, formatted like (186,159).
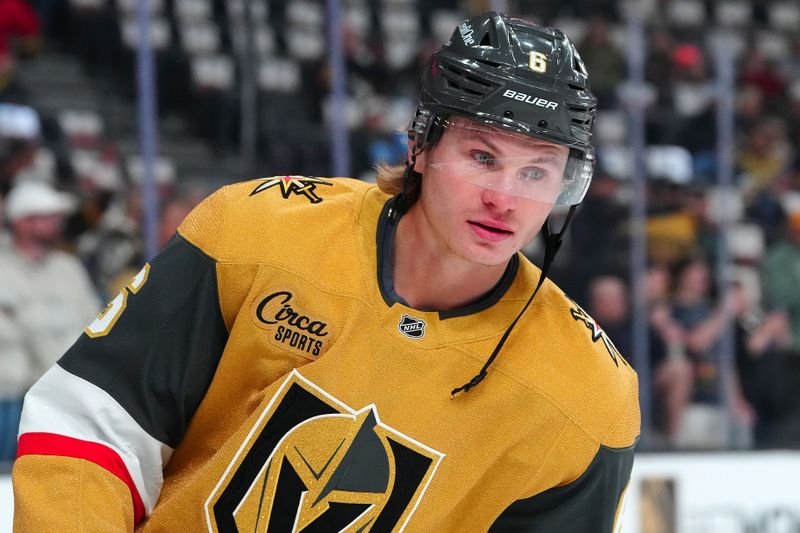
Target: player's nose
(498,200)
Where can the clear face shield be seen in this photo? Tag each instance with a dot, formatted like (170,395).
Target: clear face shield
(512,163)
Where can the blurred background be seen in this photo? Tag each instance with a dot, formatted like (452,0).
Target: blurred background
(118,116)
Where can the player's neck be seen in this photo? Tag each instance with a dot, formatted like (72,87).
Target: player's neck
(427,276)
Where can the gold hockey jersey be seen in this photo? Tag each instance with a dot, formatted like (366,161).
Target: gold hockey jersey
(261,374)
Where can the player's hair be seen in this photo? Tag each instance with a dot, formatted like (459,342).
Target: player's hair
(390,178)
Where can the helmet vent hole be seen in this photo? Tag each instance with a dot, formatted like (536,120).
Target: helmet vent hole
(489,63)
(542,124)
(487,40)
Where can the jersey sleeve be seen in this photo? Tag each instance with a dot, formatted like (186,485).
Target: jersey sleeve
(594,500)
(590,503)
(98,428)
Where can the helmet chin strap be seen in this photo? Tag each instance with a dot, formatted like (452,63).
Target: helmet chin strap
(402,198)
(552,242)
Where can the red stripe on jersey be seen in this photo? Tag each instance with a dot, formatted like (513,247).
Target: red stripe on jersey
(102,456)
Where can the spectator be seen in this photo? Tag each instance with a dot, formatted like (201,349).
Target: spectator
(780,274)
(20,132)
(758,71)
(705,322)
(769,373)
(609,305)
(603,60)
(46,298)
(600,209)
(672,372)
(692,87)
(766,156)
(671,226)
(17,20)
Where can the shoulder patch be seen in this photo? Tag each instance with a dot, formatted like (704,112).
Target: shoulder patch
(289,185)
(597,333)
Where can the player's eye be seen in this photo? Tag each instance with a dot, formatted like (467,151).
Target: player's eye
(532,174)
(482,159)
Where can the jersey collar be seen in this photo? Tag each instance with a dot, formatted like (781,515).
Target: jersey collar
(387,226)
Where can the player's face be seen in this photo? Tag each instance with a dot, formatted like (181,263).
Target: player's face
(486,193)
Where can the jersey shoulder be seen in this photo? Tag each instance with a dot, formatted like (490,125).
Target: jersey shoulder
(239,221)
(577,366)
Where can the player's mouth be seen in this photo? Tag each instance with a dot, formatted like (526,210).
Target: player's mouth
(490,231)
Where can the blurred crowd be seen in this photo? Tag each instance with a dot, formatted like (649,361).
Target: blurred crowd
(723,341)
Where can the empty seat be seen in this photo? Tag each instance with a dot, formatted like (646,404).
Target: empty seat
(306,42)
(160,36)
(724,205)
(305,13)
(443,22)
(790,201)
(81,127)
(258,10)
(127,7)
(357,20)
(670,162)
(611,128)
(733,13)
(200,37)
(354,112)
(279,75)
(573,28)
(745,242)
(400,22)
(101,174)
(681,13)
(213,71)
(784,16)
(263,37)
(773,45)
(399,53)
(734,42)
(164,170)
(19,122)
(193,10)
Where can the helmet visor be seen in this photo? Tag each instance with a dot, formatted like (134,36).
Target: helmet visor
(511,163)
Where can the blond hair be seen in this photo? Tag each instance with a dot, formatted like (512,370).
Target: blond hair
(390,179)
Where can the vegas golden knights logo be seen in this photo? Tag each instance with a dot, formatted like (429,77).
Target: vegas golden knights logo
(312,464)
(597,334)
(299,185)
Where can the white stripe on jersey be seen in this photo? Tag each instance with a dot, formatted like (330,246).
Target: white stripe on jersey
(65,404)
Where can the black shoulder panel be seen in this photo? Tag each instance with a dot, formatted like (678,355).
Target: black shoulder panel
(158,359)
(588,504)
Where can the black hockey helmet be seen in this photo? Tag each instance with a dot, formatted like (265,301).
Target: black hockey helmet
(512,74)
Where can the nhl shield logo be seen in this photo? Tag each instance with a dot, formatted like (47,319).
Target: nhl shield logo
(411,327)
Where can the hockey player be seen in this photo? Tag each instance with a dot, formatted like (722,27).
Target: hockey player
(315,354)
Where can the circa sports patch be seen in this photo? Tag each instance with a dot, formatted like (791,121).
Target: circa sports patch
(312,463)
(291,325)
(297,185)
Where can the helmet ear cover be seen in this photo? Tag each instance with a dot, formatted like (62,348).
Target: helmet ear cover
(427,128)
